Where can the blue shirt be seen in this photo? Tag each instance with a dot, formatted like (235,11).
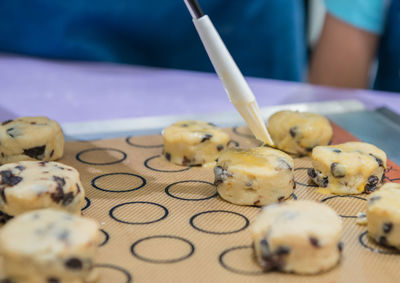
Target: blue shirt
(381,17)
(266,38)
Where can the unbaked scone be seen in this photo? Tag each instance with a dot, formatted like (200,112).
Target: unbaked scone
(383,215)
(49,246)
(29,185)
(348,168)
(30,138)
(297,236)
(193,142)
(299,132)
(258,176)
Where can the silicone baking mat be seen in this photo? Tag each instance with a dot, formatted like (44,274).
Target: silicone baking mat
(165,223)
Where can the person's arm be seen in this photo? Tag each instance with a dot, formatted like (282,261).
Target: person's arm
(343,55)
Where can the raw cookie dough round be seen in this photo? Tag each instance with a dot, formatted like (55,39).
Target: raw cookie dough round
(257,176)
(30,138)
(383,214)
(193,142)
(29,185)
(297,236)
(348,168)
(49,246)
(299,132)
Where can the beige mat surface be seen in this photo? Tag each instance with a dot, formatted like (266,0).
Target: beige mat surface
(165,223)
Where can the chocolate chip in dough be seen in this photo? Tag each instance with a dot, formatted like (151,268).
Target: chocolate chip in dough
(380,162)
(220,147)
(51,153)
(185,161)
(67,198)
(309,149)
(371,184)
(340,246)
(53,280)
(387,227)
(283,250)
(218,172)
(4,217)
(293,131)
(311,172)
(314,242)
(74,263)
(20,167)
(58,195)
(336,150)
(383,241)
(14,132)
(8,178)
(168,156)
(206,137)
(337,170)
(35,152)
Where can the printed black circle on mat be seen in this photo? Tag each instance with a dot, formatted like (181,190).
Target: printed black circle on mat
(88,203)
(215,221)
(236,131)
(80,156)
(344,196)
(146,164)
(126,275)
(150,206)
(370,245)
(240,252)
(210,193)
(166,242)
(128,141)
(106,238)
(312,185)
(142,182)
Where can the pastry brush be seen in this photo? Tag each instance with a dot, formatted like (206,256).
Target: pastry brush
(235,84)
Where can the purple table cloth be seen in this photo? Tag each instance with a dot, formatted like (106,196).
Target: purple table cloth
(85,91)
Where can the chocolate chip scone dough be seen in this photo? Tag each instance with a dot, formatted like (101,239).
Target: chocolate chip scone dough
(299,132)
(193,142)
(29,185)
(257,176)
(297,236)
(46,246)
(30,138)
(349,168)
(383,214)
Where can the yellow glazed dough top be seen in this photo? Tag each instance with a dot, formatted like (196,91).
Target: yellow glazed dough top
(259,160)
(298,132)
(193,132)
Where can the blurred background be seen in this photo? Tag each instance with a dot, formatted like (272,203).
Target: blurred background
(277,39)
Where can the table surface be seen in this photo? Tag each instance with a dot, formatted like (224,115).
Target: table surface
(86,91)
